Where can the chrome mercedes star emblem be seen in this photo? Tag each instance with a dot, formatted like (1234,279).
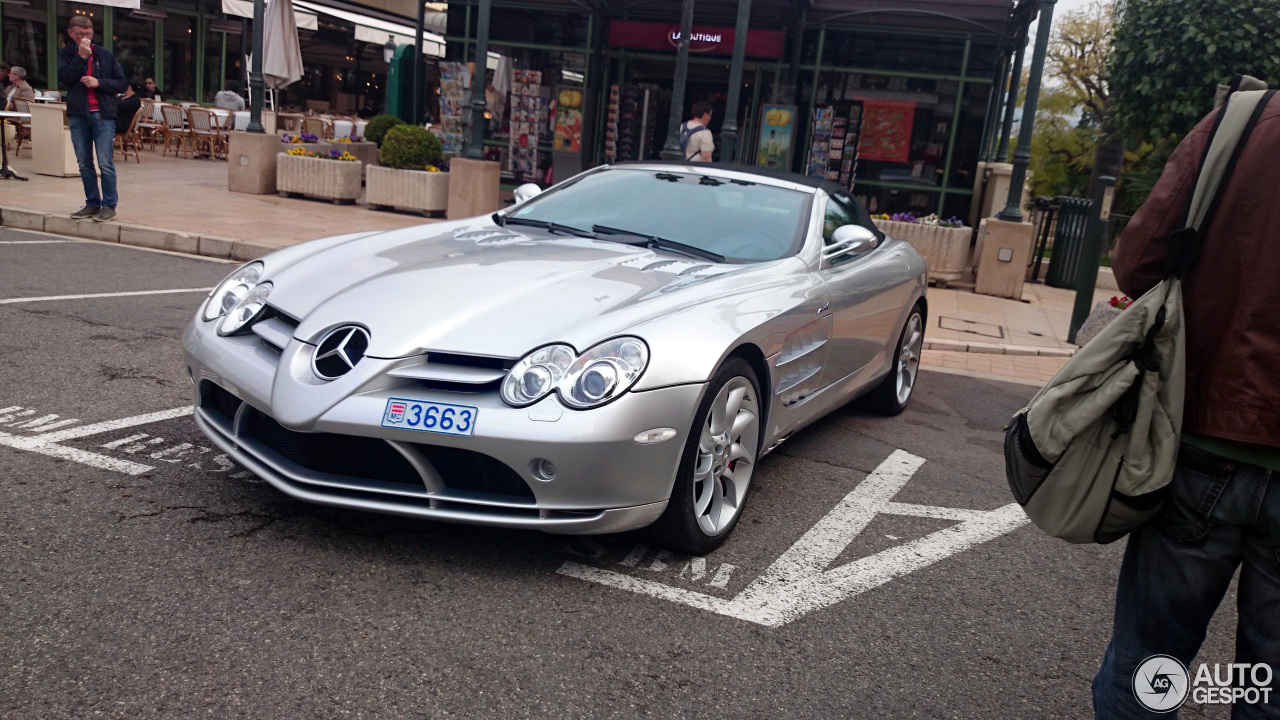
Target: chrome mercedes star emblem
(339,351)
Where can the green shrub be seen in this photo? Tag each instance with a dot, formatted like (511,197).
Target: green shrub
(409,147)
(378,126)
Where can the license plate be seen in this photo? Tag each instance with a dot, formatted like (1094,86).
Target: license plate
(430,417)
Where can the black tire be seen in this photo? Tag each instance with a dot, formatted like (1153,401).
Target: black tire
(678,529)
(883,398)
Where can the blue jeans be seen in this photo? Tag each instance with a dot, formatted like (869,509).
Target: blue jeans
(92,135)
(1177,569)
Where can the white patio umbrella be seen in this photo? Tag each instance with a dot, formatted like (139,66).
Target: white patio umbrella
(281,53)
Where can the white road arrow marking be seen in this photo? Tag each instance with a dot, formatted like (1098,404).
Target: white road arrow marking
(799,582)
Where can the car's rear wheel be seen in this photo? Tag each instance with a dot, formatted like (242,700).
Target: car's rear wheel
(893,393)
(716,468)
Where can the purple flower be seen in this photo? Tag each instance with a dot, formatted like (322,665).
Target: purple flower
(309,138)
(333,153)
(903,217)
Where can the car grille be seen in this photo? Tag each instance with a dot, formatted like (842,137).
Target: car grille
(348,455)
(215,398)
(475,472)
(371,462)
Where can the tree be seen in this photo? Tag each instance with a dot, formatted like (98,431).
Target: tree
(1074,112)
(1170,55)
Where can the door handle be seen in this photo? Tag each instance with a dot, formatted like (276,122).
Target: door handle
(824,307)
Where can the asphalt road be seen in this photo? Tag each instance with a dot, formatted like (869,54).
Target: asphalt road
(190,589)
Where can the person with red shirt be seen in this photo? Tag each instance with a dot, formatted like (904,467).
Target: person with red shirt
(91,77)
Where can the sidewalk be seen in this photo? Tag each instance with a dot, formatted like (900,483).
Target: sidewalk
(967,333)
(157,194)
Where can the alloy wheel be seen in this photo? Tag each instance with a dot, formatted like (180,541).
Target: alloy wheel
(726,456)
(909,358)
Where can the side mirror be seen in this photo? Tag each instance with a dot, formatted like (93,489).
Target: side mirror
(527,191)
(849,240)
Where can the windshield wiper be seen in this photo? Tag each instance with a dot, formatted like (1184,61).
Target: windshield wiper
(552,226)
(653,241)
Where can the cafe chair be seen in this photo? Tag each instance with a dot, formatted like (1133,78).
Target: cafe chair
(21,128)
(317,126)
(150,124)
(130,139)
(175,130)
(203,129)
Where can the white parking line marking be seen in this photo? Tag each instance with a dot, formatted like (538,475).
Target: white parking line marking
(826,540)
(124,440)
(799,582)
(109,425)
(84,457)
(46,423)
(135,293)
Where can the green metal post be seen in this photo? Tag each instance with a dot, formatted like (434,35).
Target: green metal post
(52,33)
(671,149)
(813,101)
(1015,77)
(108,27)
(992,119)
(729,129)
(157,59)
(475,149)
(1022,155)
(1087,279)
(955,124)
(200,53)
(222,63)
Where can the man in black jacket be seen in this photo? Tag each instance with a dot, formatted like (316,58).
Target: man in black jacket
(91,77)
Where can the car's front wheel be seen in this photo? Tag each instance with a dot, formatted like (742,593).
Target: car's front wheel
(893,393)
(717,465)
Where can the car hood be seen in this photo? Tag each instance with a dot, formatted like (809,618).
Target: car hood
(482,289)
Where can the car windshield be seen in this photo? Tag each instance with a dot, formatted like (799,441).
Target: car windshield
(741,221)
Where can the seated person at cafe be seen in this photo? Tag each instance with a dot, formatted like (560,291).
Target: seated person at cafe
(229,99)
(4,78)
(149,90)
(127,105)
(17,89)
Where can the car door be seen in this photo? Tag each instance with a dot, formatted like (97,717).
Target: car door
(867,292)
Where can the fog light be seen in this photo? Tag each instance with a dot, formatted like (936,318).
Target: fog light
(544,469)
(655,436)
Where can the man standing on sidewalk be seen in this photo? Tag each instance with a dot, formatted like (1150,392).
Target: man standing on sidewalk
(1224,508)
(91,77)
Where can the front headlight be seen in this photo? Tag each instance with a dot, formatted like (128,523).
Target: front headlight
(231,291)
(583,381)
(245,310)
(604,372)
(536,375)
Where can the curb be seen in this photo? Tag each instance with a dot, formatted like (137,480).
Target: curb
(135,235)
(994,349)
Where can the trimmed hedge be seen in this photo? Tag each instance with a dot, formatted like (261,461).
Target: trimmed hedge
(378,126)
(409,147)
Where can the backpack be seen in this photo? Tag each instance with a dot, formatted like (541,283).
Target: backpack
(1091,456)
(686,134)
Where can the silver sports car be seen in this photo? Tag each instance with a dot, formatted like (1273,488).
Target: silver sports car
(616,352)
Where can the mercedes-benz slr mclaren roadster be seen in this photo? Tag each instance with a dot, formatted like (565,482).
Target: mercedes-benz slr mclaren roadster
(616,352)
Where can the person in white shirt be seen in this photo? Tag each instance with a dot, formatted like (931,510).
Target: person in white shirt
(696,141)
(229,99)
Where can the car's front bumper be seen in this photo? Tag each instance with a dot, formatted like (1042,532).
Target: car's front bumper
(605,481)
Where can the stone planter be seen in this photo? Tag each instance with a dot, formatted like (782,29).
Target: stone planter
(417,190)
(318,178)
(945,250)
(366,152)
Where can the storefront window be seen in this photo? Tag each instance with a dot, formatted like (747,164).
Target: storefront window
(213,69)
(179,57)
(23,42)
(133,41)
